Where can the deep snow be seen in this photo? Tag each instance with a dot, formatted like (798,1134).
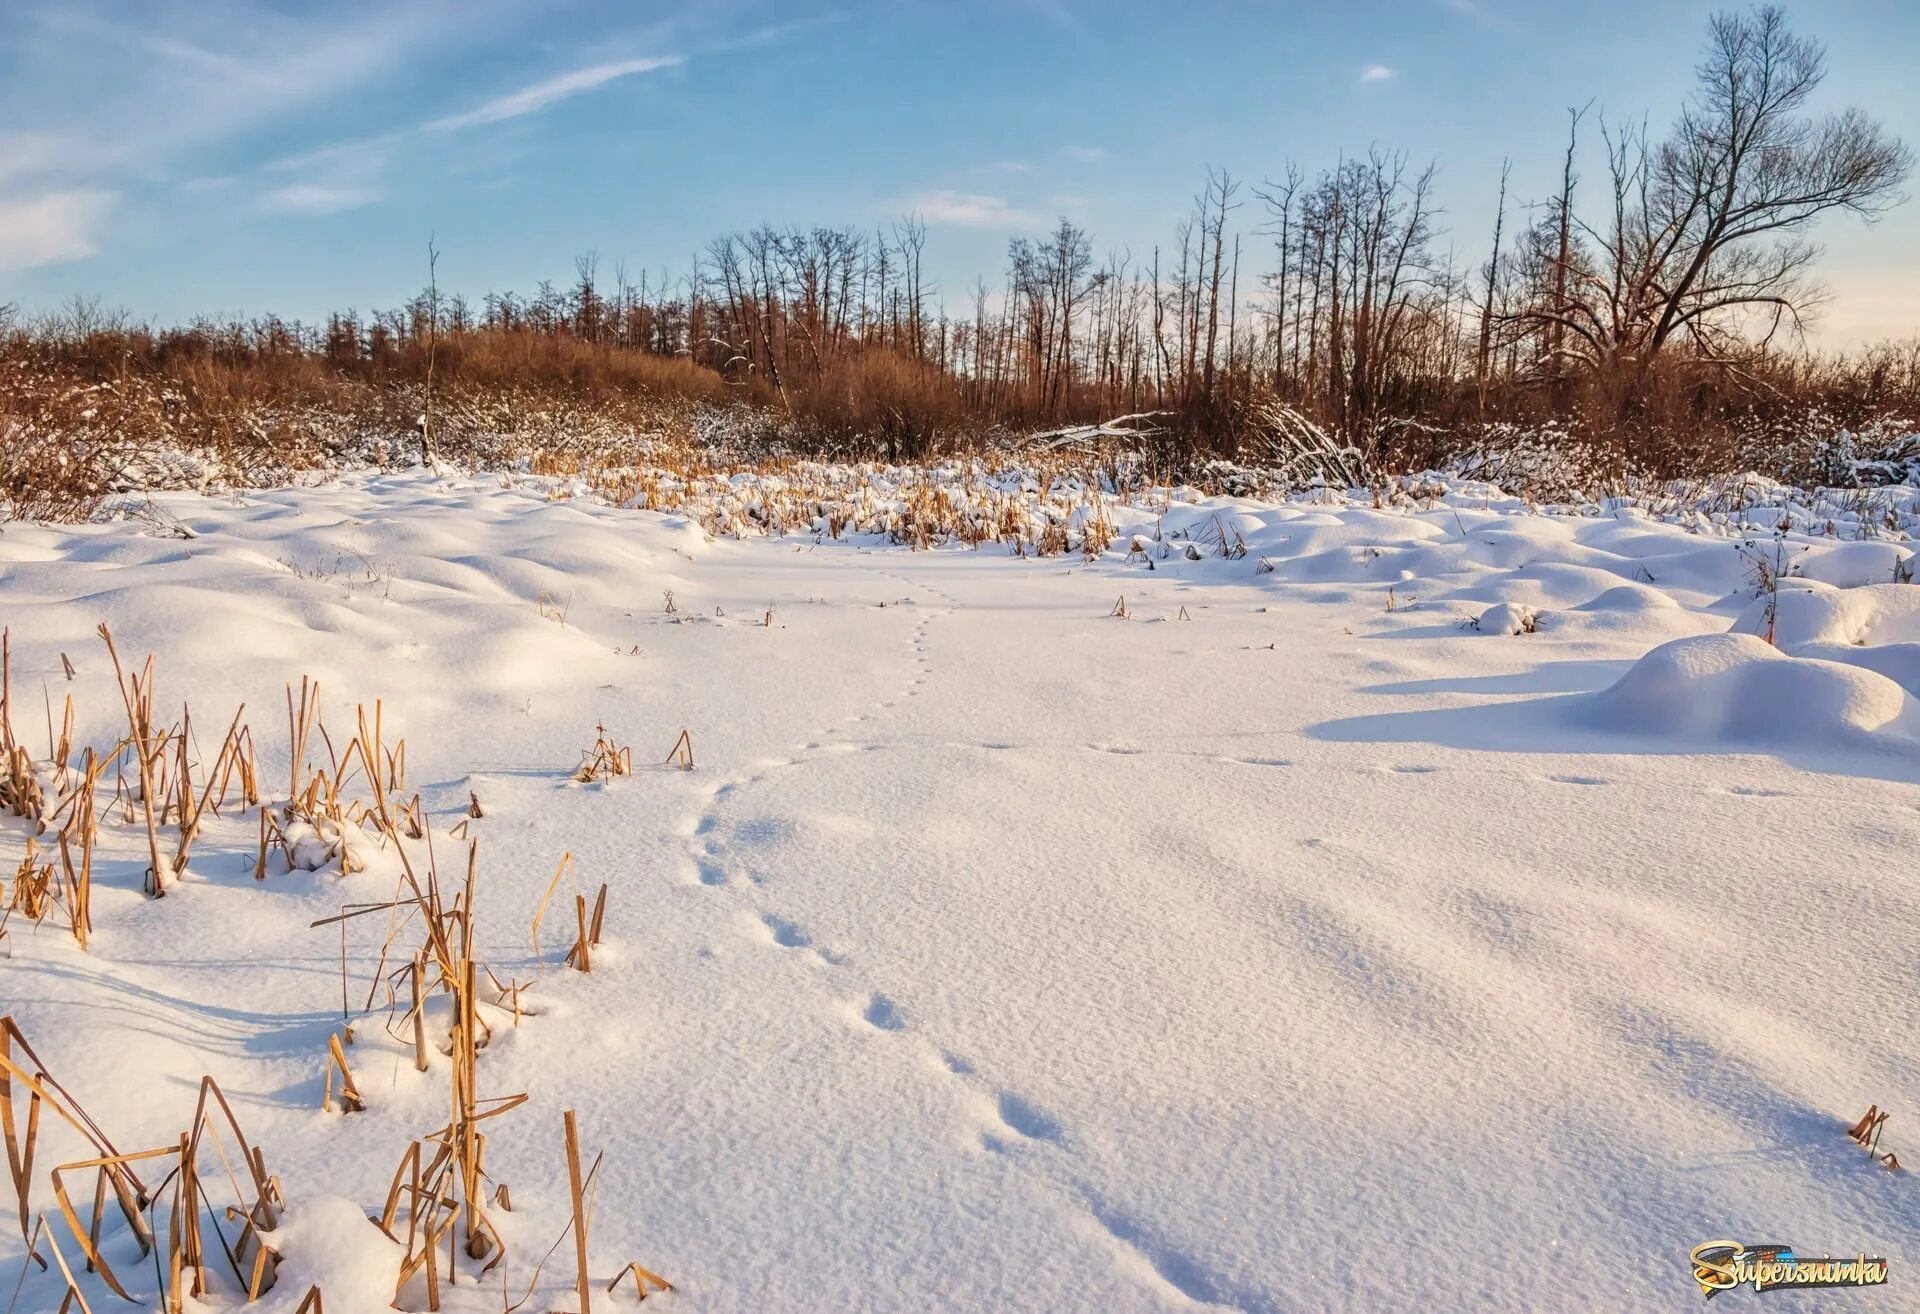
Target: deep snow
(1332,947)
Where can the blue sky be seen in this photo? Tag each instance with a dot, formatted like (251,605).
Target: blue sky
(218,157)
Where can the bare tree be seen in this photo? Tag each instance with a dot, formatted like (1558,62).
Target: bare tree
(433,349)
(1491,288)
(1707,229)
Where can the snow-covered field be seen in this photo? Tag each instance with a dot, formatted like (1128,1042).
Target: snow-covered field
(1424,909)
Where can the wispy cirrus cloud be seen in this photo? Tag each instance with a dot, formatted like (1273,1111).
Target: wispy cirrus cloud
(1378,73)
(53,227)
(347,175)
(318,198)
(331,179)
(110,101)
(563,86)
(970,210)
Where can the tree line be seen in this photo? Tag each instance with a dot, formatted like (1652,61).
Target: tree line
(1642,308)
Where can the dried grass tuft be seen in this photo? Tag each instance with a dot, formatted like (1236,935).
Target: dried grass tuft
(604,760)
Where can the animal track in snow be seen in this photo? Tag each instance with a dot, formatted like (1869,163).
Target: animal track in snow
(1024,1118)
(882,1014)
(785,933)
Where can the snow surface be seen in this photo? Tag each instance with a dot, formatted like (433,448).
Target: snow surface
(1292,943)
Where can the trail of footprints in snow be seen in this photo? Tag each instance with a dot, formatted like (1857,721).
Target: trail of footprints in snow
(1005,1121)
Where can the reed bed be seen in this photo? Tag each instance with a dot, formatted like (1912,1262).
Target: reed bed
(208,1230)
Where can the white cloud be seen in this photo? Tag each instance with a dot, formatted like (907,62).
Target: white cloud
(539,95)
(26,154)
(1378,73)
(52,228)
(142,95)
(363,154)
(318,198)
(346,175)
(968,210)
(1085,154)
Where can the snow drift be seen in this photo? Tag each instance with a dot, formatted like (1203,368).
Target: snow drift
(1737,690)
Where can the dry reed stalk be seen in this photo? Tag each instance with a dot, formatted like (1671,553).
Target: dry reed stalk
(32,892)
(604,760)
(20,788)
(79,877)
(579,1196)
(599,913)
(61,747)
(192,809)
(350,1100)
(416,974)
(414,819)
(641,1276)
(73,1297)
(270,833)
(6,690)
(580,955)
(113,1170)
(300,723)
(566,860)
(137,694)
(185,1270)
(581,1283)
(682,752)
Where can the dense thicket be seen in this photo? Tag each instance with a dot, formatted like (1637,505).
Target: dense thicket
(1652,315)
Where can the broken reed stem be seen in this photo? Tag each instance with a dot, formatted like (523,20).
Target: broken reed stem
(79,877)
(580,956)
(73,1296)
(6,691)
(416,974)
(582,1285)
(350,1100)
(565,860)
(604,760)
(641,1276)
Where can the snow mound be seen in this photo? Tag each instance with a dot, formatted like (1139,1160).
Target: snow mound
(1737,689)
(327,1240)
(1630,598)
(1507,618)
(1875,627)
(1812,612)
(1854,565)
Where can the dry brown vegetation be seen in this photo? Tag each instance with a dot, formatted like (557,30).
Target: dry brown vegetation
(1646,320)
(345,814)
